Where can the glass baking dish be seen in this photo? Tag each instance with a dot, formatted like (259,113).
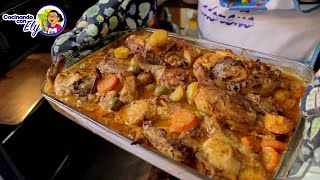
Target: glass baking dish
(158,159)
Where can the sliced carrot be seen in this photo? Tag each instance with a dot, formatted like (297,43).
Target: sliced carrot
(270,158)
(251,143)
(107,83)
(277,145)
(278,124)
(184,120)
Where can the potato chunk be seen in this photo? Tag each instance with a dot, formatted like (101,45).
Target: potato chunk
(191,90)
(121,52)
(177,95)
(159,38)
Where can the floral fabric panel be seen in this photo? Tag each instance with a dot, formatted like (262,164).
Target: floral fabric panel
(99,20)
(310,108)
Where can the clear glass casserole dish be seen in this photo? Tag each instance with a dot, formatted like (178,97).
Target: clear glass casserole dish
(160,160)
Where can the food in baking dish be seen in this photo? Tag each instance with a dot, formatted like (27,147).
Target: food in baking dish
(223,114)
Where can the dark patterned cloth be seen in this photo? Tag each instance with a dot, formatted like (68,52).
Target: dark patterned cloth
(310,108)
(99,20)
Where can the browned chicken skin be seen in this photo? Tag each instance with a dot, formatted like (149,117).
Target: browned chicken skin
(110,65)
(174,53)
(79,83)
(134,113)
(170,77)
(227,106)
(225,156)
(263,105)
(174,148)
(174,77)
(129,91)
(54,70)
(212,100)
(234,73)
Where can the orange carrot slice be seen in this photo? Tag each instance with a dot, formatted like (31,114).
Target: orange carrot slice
(107,83)
(270,158)
(277,145)
(278,124)
(184,120)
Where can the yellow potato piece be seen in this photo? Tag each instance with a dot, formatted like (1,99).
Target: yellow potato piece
(191,91)
(121,52)
(177,94)
(159,38)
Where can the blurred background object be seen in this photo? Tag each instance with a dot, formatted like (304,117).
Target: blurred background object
(191,28)
(162,20)
(177,20)
(309,1)
(191,1)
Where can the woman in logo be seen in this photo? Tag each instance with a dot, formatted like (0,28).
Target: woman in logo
(53,18)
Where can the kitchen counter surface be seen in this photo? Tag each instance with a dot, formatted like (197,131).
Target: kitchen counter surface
(20,88)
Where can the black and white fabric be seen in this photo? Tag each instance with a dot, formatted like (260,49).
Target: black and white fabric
(310,108)
(99,20)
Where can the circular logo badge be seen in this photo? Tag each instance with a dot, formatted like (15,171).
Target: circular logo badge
(52,20)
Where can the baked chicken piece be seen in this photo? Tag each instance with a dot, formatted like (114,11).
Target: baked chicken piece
(54,70)
(222,149)
(129,91)
(172,147)
(169,77)
(174,52)
(79,83)
(113,66)
(134,113)
(234,73)
(227,106)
